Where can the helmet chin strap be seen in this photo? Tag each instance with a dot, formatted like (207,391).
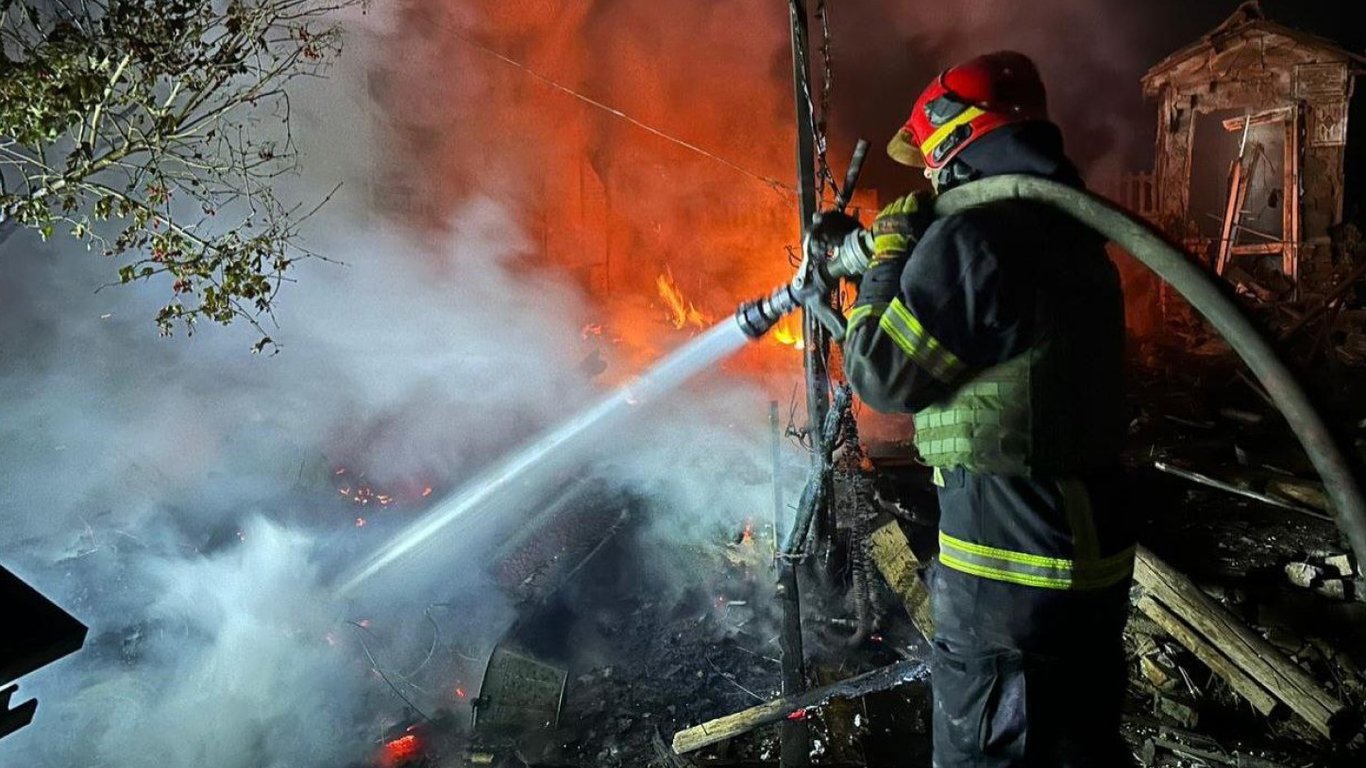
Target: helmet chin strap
(952,175)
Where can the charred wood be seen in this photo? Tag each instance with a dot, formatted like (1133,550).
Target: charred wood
(795,708)
(1252,654)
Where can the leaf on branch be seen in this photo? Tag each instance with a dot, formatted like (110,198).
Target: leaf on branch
(113,106)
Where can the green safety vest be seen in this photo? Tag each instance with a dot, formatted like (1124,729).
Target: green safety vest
(1049,411)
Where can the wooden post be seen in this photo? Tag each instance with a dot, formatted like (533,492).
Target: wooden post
(796,737)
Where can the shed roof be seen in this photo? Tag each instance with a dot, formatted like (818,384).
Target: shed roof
(1249,18)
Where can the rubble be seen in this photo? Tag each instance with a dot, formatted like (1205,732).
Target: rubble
(1253,666)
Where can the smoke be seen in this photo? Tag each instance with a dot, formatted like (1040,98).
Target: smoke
(502,243)
(181,496)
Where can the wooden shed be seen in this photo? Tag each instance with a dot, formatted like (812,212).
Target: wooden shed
(1251,141)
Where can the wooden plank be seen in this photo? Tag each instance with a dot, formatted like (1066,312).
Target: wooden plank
(1233,212)
(1261,118)
(900,568)
(795,708)
(1243,647)
(1260,699)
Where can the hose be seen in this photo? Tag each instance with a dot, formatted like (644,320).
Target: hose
(1172,265)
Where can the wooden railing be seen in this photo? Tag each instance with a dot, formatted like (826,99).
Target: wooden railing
(1138,193)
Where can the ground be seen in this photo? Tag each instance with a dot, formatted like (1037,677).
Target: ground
(645,657)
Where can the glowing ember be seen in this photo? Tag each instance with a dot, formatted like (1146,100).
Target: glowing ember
(364,623)
(592,329)
(426,491)
(360,522)
(401,750)
(358,491)
(682,313)
(747,536)
(459,692)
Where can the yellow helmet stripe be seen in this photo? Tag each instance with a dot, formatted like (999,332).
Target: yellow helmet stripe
(943,132)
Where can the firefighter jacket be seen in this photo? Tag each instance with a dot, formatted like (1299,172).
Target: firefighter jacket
(1002,331)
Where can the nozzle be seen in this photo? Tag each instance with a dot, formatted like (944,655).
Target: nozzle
(759,316)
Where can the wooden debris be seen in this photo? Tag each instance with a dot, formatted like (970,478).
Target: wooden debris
(901,570)
(795,708)
(1209,655)
(1306,492)
(1180,712)
(1159,671)
(1245,649)
(1185,750)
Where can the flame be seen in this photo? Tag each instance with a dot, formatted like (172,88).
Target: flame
(682,312)
(614,204)
(788,332)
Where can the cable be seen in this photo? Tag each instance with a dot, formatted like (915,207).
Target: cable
(374,665)
(777,186)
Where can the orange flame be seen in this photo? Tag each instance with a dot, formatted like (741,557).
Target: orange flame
(682,312)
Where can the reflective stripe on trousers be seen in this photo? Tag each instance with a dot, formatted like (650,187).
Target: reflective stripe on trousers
(1085,569)
(1034,570)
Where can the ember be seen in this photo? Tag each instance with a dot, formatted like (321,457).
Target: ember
(401,751)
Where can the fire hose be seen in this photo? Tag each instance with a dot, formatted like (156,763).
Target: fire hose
(810,290)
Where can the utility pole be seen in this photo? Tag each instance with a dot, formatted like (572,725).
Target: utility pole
(796,735)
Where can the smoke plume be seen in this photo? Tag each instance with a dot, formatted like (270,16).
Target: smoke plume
(182,497)
(507,246)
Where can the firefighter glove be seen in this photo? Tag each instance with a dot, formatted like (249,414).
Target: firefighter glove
(830,228)
(900,225)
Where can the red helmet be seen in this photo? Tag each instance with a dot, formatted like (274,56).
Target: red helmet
(966,103)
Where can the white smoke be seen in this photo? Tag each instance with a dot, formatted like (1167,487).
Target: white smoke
(176,495)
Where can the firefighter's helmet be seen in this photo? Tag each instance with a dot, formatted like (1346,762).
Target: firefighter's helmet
(966,103)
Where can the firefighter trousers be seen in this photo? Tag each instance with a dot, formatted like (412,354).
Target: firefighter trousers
(1024,676)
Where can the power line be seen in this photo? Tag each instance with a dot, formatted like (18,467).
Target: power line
(774,183)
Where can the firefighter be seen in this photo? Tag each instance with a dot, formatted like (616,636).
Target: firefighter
(1002,329)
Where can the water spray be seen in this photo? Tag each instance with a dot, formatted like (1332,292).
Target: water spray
(810,289)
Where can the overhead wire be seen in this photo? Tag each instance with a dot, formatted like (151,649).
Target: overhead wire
(776,185)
